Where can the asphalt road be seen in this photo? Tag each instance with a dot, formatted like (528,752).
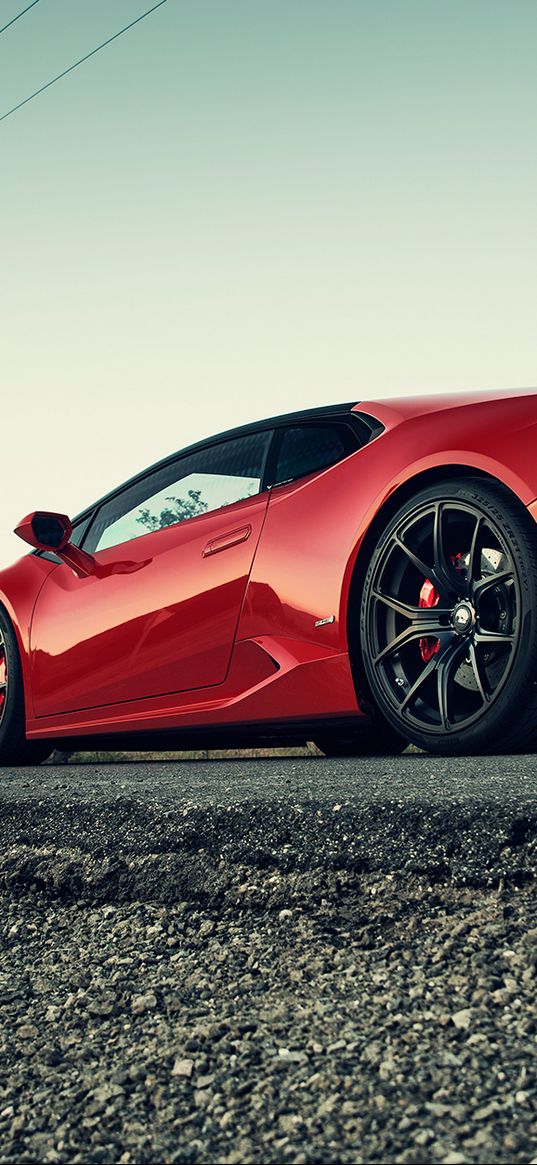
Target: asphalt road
(293,961)
(180,828)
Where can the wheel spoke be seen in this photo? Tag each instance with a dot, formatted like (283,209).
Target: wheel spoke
(478,673)
(423,615)
(442,685)
(491,580)
(396,605)
(433,620)
(416,631)
(474,559)
(429,667)
(444,675)
(443,565)
(489,638)
(421,566)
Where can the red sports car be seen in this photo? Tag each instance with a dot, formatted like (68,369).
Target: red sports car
(361,575)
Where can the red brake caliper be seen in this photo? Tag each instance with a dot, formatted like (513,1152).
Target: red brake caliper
(3,678)
(429,597)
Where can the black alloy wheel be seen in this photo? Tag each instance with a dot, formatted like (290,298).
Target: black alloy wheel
(449,620)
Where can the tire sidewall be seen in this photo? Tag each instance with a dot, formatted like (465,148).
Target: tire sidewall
(14,708)
(15,749)
(517,527)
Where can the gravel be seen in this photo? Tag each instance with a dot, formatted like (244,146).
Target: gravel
(161,1004)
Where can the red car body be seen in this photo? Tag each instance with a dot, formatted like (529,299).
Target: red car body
(236,624)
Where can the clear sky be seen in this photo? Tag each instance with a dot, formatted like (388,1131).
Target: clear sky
(243,207)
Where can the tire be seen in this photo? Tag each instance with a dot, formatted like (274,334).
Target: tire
(15,749)
(448,621)
(374,738)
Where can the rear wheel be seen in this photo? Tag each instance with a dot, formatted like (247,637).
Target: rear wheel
(449,620)
(15,749)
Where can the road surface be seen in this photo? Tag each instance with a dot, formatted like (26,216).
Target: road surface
(270,961)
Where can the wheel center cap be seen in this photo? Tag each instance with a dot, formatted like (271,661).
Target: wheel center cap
(463,618)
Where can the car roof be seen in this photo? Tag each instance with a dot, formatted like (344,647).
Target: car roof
(270,423)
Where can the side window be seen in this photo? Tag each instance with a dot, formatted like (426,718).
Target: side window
(309,448)
(192,485)
(79,530)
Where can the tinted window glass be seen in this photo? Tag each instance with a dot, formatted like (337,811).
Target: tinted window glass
(203,481)
(79,530)
(309,448)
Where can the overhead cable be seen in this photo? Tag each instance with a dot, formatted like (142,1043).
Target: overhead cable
(15,18)
(82,59)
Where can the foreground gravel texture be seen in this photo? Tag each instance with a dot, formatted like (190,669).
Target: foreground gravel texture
(269,993)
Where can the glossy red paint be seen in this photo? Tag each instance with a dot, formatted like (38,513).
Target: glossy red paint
(265,674)
(494,433)
(164,628)
(20,585)
(219,620)
(315,526)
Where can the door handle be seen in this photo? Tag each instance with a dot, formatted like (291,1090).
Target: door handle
(224,541)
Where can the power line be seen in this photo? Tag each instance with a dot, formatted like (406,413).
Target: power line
(15,18)
(82,59)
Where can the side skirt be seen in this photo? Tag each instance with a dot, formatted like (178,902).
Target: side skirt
(270,681)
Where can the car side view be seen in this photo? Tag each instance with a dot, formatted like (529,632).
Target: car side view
(360,575)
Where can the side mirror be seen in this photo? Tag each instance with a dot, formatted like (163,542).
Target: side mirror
(46,531)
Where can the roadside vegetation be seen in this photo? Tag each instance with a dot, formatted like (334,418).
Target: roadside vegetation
(104,757)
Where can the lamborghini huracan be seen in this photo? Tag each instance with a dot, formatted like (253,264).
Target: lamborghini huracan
(362,575)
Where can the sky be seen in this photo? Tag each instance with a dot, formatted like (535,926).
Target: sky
(241,208)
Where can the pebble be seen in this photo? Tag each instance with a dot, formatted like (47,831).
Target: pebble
(141,1003)
(27,1031)
(183,1068)
(462,1019)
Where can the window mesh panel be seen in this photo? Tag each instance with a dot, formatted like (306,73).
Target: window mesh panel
(310,448)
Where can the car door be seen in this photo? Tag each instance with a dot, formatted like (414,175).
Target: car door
(181,542)
(303,551)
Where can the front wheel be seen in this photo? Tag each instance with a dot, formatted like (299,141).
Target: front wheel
(449,620)
(15,749)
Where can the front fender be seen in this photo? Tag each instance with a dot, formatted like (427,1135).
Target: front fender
(20,585)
